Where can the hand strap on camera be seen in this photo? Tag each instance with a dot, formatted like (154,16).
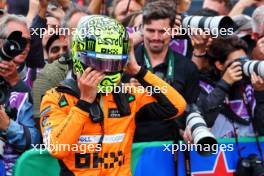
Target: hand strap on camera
(236,139)
(257,141)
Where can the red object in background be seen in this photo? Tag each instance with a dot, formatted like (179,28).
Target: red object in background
(80,2)
(220,168)
(256,36)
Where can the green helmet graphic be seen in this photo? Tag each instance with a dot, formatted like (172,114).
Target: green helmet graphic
(102,43)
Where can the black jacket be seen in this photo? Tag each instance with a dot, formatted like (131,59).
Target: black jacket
(186,82)
(212,104)
(35,57)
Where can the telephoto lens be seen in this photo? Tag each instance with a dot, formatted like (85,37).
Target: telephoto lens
(219,26)
(200,133)
(249,67)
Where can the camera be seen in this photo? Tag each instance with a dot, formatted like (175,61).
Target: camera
(12,46)
(249,66)
(217,26)
(250,166)
(200,133)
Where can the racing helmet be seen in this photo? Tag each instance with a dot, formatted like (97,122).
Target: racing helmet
(102,43)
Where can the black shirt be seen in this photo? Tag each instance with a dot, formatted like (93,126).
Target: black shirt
(186,82)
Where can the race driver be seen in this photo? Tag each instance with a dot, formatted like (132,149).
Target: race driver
(86,110)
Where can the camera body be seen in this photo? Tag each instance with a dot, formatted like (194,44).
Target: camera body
(12,46)
(252,165)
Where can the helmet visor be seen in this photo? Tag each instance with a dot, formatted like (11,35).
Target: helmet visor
(103,62)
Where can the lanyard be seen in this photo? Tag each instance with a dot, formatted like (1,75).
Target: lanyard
(245,101)
(170,69)
(249,110)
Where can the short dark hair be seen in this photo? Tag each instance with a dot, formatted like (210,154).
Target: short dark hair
(206,12)
(50,41)
(159,10)
(129,20)
(222,47)
(228,3)
(112,8)
(70,12)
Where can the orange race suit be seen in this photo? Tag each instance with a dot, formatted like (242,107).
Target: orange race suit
(65,119)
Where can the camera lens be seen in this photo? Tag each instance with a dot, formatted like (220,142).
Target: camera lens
(218,26)
(13,46)
(200,133)
(260,69)
(253,66)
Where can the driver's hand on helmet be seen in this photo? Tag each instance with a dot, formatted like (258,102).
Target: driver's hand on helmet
(132,66)
(87,84)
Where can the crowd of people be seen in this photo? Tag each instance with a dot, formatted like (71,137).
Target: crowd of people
(49,91)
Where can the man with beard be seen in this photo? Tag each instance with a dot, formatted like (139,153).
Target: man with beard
(155,55)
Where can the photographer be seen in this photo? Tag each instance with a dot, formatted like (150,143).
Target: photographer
(228,99)
(88,106)
(53,73)
(258,33)
(9,70)
(40,21)
(155,54)
(16,123)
